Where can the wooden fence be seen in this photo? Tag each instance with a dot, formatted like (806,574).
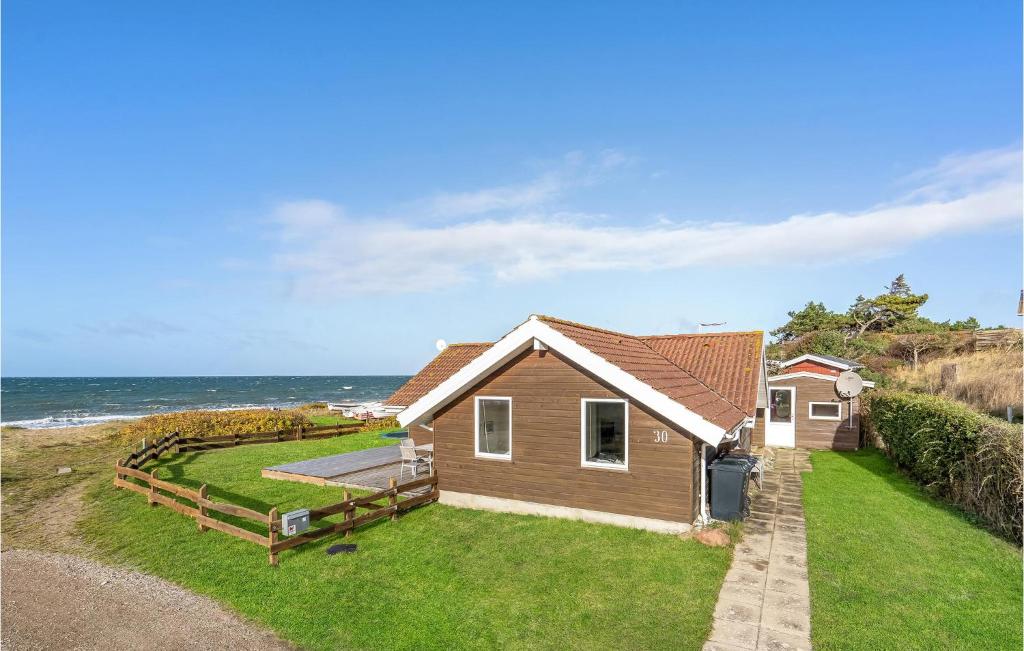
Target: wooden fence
(383,504)
(200,443)
(150,451)
(1007,338)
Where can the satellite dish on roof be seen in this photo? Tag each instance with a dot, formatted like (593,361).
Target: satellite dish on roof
(440,344)
(849,384)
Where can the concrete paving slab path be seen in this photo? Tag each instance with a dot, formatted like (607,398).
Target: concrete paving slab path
(765,599)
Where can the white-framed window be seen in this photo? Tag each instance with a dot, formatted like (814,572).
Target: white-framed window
(493,427)
(604,433)
(825,410)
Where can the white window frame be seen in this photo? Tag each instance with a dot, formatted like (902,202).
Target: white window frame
(604,465)
(476,429)
(810,411)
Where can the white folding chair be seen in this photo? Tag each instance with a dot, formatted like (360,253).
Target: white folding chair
(411,459)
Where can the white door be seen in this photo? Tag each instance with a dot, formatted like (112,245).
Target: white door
(780,423)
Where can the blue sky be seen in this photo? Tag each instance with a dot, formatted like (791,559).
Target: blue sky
(327,188)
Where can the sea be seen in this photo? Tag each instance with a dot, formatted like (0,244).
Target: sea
(48,402)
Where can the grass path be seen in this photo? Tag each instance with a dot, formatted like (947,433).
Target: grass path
(41,506)
(891,568)
(439,577)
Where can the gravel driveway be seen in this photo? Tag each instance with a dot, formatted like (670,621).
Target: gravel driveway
(56,601)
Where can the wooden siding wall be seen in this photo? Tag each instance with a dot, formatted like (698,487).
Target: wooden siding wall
(816,434)
(757,439)
(545,467)
(420,435)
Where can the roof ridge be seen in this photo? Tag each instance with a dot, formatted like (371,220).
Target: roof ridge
(471,343)
(545,317)
(704,334)
(548,317)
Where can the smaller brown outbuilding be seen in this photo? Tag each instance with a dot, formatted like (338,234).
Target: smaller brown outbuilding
(804,410)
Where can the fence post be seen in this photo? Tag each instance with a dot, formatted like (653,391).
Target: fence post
(202,509)
(272,534)
(117,472)
(349,512)
(152,488)
(393,498)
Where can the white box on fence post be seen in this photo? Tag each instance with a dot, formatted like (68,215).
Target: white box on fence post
(295,522)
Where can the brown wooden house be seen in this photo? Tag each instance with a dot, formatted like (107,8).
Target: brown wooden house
(804,410)
(562,419)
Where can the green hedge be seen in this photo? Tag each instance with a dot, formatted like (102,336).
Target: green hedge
(970,459)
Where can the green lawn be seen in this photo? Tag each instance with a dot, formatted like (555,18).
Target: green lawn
(439,577)
(891,568)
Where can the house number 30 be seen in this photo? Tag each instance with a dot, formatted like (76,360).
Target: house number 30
(660,436)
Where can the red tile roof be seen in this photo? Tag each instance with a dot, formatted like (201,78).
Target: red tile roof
(712,375)
(442,367)
(636,357)
(728,362)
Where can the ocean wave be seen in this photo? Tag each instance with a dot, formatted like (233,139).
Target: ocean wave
(60,402)
(54,422)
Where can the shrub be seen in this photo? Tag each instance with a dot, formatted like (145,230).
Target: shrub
(868,344)
(388,422)
(213,423)
(880,380)
(973,460)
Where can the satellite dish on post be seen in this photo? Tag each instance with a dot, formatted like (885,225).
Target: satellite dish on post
(440,344)
(849,384)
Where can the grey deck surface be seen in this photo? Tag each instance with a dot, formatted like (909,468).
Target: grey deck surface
(377,479)
(343,464)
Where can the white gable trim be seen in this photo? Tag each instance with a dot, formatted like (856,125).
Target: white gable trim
(815,358)
(814,376)
(521,339)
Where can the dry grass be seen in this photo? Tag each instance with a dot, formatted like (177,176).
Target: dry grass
(989,381)
(40,506)
(213,423)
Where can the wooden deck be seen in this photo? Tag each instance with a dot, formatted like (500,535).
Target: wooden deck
(377,479)
(318,471)
(367,469)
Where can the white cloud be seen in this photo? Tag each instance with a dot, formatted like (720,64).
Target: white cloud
(574,170)
(960,173)
(330,254)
